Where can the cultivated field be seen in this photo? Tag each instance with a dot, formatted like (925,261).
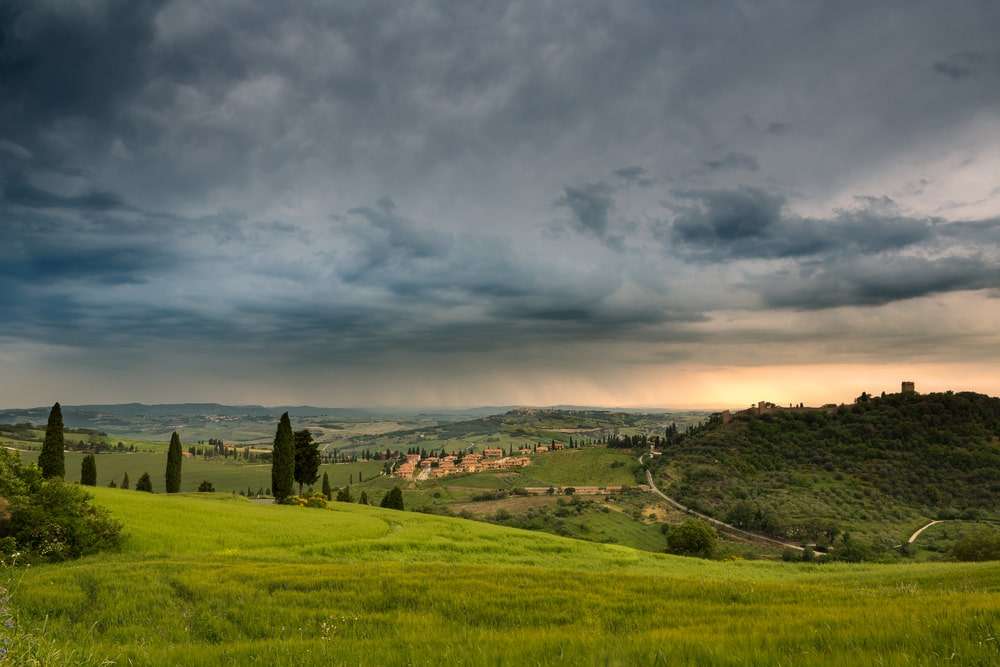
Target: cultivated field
(212,580)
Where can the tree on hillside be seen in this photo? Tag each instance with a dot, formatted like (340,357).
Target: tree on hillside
(344,495)
(306,459)
(394,499)
(144,483)
(125,481)
(363,499)
(692,538)
(52,459)
(88,471)
(327,491)
(174,457)
(206,487)
(283,460)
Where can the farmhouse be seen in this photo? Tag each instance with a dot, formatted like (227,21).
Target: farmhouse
(493,452)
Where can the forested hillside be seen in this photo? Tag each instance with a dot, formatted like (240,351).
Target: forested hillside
(880,463)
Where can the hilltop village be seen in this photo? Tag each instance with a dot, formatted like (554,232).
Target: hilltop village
(492,459)
(767,407)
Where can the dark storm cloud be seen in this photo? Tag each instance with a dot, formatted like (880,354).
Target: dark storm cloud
(733,161)
(866,256)
(874,281)
(748,223)
(77,61)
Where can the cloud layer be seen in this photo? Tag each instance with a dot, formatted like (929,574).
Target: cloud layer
(444,193)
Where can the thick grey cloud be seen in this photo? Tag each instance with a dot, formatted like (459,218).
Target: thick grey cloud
(873,281)
(190,174)
(716,225)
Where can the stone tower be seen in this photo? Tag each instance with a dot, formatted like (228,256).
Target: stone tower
(909,387)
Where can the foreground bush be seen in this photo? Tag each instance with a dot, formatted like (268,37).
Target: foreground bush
(47,519)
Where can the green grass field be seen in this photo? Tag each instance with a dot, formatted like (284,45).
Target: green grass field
(212,580)
(225,476)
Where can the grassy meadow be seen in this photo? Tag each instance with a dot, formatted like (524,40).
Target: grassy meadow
(212,580)
(224,475)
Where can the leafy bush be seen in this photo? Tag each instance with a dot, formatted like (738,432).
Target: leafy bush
(317,500)
(206,487)
(692,538)
(851,550)
(978,546)
(50,519)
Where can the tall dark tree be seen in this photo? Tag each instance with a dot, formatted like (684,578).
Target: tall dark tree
(174,457)
(144,483)
(306,459)
(394,499)
(88,471)
(125,481)
(283,460)
(363,499)
(327,491)
(52,460)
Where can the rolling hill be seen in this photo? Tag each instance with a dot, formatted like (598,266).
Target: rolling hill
(212,580)
(876,468)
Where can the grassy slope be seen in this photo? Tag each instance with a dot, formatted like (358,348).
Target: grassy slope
(213,581)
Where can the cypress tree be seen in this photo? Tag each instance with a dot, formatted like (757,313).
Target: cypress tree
(306,459)
(394,499)
(52,460)
(327,491)
(144,483)
(88,471)
(364,498)
(283,460)
(125,481)
(174,457)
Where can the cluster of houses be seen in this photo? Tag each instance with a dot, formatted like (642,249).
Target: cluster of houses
(492,459)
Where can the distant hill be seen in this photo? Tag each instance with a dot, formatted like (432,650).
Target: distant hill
(88,415)
(875,467)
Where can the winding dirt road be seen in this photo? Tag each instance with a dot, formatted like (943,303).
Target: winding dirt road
(715,522)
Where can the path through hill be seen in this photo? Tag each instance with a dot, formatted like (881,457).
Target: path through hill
(715,522)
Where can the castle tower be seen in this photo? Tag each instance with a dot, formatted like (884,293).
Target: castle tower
(909,387)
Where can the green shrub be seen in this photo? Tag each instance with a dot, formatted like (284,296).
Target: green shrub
(394,499)
(206,487)
(58,522)
(692,538)
(978,546)
(317,500)
(144,483)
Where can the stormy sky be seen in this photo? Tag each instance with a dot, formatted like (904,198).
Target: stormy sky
(464,203)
